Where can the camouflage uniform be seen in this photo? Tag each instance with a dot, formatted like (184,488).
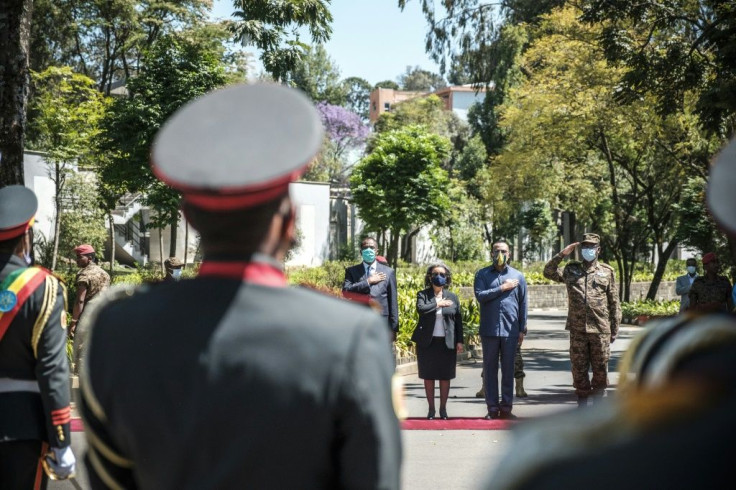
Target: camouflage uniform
(518,364)
(594,314)
(704,291)
(94,278)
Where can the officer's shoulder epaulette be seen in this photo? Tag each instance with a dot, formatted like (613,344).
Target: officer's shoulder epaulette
(605,266)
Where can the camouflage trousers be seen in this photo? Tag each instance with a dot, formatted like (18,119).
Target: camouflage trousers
(518,364)
(589,351)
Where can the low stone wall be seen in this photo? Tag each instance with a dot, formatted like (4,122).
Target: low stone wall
(555,295)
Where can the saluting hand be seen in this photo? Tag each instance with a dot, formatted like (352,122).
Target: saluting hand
(376,278)
(509,284)
(569,249)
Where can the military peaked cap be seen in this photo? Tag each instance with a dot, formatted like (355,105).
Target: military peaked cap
(173,262)
(722,188)
(238,147)
(18,206)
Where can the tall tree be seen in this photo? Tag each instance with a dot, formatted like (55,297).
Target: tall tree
(345,133)
(400,184)
(418,80)
(358,96)
(15,29)
(318,76)
(174,71)
(68,109)
(387,84)
(105,39)
(274,27)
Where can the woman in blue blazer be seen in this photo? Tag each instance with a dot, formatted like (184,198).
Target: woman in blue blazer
(438,335)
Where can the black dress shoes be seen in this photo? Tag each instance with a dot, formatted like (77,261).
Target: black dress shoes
(492,415)
(430,414)
(508,416)
(443,414)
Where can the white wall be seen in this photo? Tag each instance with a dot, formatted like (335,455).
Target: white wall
(312,202)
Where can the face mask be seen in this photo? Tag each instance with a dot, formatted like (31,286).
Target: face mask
(589,254)
(500,259)
(27,258)
(439,280)
(176,274)
(691,269)
(369,255)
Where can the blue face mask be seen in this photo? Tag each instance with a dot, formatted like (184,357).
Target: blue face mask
(589,254)
(439,280)
(27,258)
(691,269)
(176,274)
(369,255)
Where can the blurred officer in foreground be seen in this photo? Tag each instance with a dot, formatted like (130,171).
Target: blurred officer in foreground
(593,315)
(233,379)
(34,371)
(671,424)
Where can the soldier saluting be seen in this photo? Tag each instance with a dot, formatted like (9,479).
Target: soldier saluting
(34,370)
(593,316)
(233,379)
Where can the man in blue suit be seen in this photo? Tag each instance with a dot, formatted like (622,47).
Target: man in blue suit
(374,281)
(501,291)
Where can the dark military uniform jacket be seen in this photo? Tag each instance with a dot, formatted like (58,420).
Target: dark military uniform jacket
(217,382)
(592,295)
(34,370)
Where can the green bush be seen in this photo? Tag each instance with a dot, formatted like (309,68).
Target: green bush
(631,310)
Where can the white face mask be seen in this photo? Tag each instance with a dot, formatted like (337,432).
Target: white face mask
(176,274)
(691,269)
(589,254)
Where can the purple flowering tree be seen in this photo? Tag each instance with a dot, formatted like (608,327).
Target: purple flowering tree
(345,133)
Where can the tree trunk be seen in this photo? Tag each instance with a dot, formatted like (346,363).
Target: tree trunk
(664,257)
(406,245)
(393,250)
(58,184)
(112,243)
(161,249)
(172,237)
(15,33)
(186,243)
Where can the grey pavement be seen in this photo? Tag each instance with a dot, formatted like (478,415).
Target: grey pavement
(464,459)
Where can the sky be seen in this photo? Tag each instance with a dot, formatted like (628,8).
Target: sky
(371,39)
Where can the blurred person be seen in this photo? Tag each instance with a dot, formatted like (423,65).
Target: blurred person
(35,412)
(501,292)
(685,282)
(91,280)
(593,317)
(376,280)
(438,335)
(711,292)
(173,267)
(239,380)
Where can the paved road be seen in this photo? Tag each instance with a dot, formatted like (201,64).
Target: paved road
(465,459)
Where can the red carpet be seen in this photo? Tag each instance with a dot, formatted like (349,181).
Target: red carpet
(456,423)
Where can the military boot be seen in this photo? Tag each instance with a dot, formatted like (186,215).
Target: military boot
(482,392)
(520,388)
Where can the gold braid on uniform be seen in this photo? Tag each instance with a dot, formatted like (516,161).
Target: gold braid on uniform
(51,289)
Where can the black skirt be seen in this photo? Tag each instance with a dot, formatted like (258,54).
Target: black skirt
(436,361)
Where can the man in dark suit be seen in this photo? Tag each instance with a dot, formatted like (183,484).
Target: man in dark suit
(233,379)
(34,372)
(376,280)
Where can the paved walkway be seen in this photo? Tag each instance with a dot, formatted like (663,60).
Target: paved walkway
(465,459)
